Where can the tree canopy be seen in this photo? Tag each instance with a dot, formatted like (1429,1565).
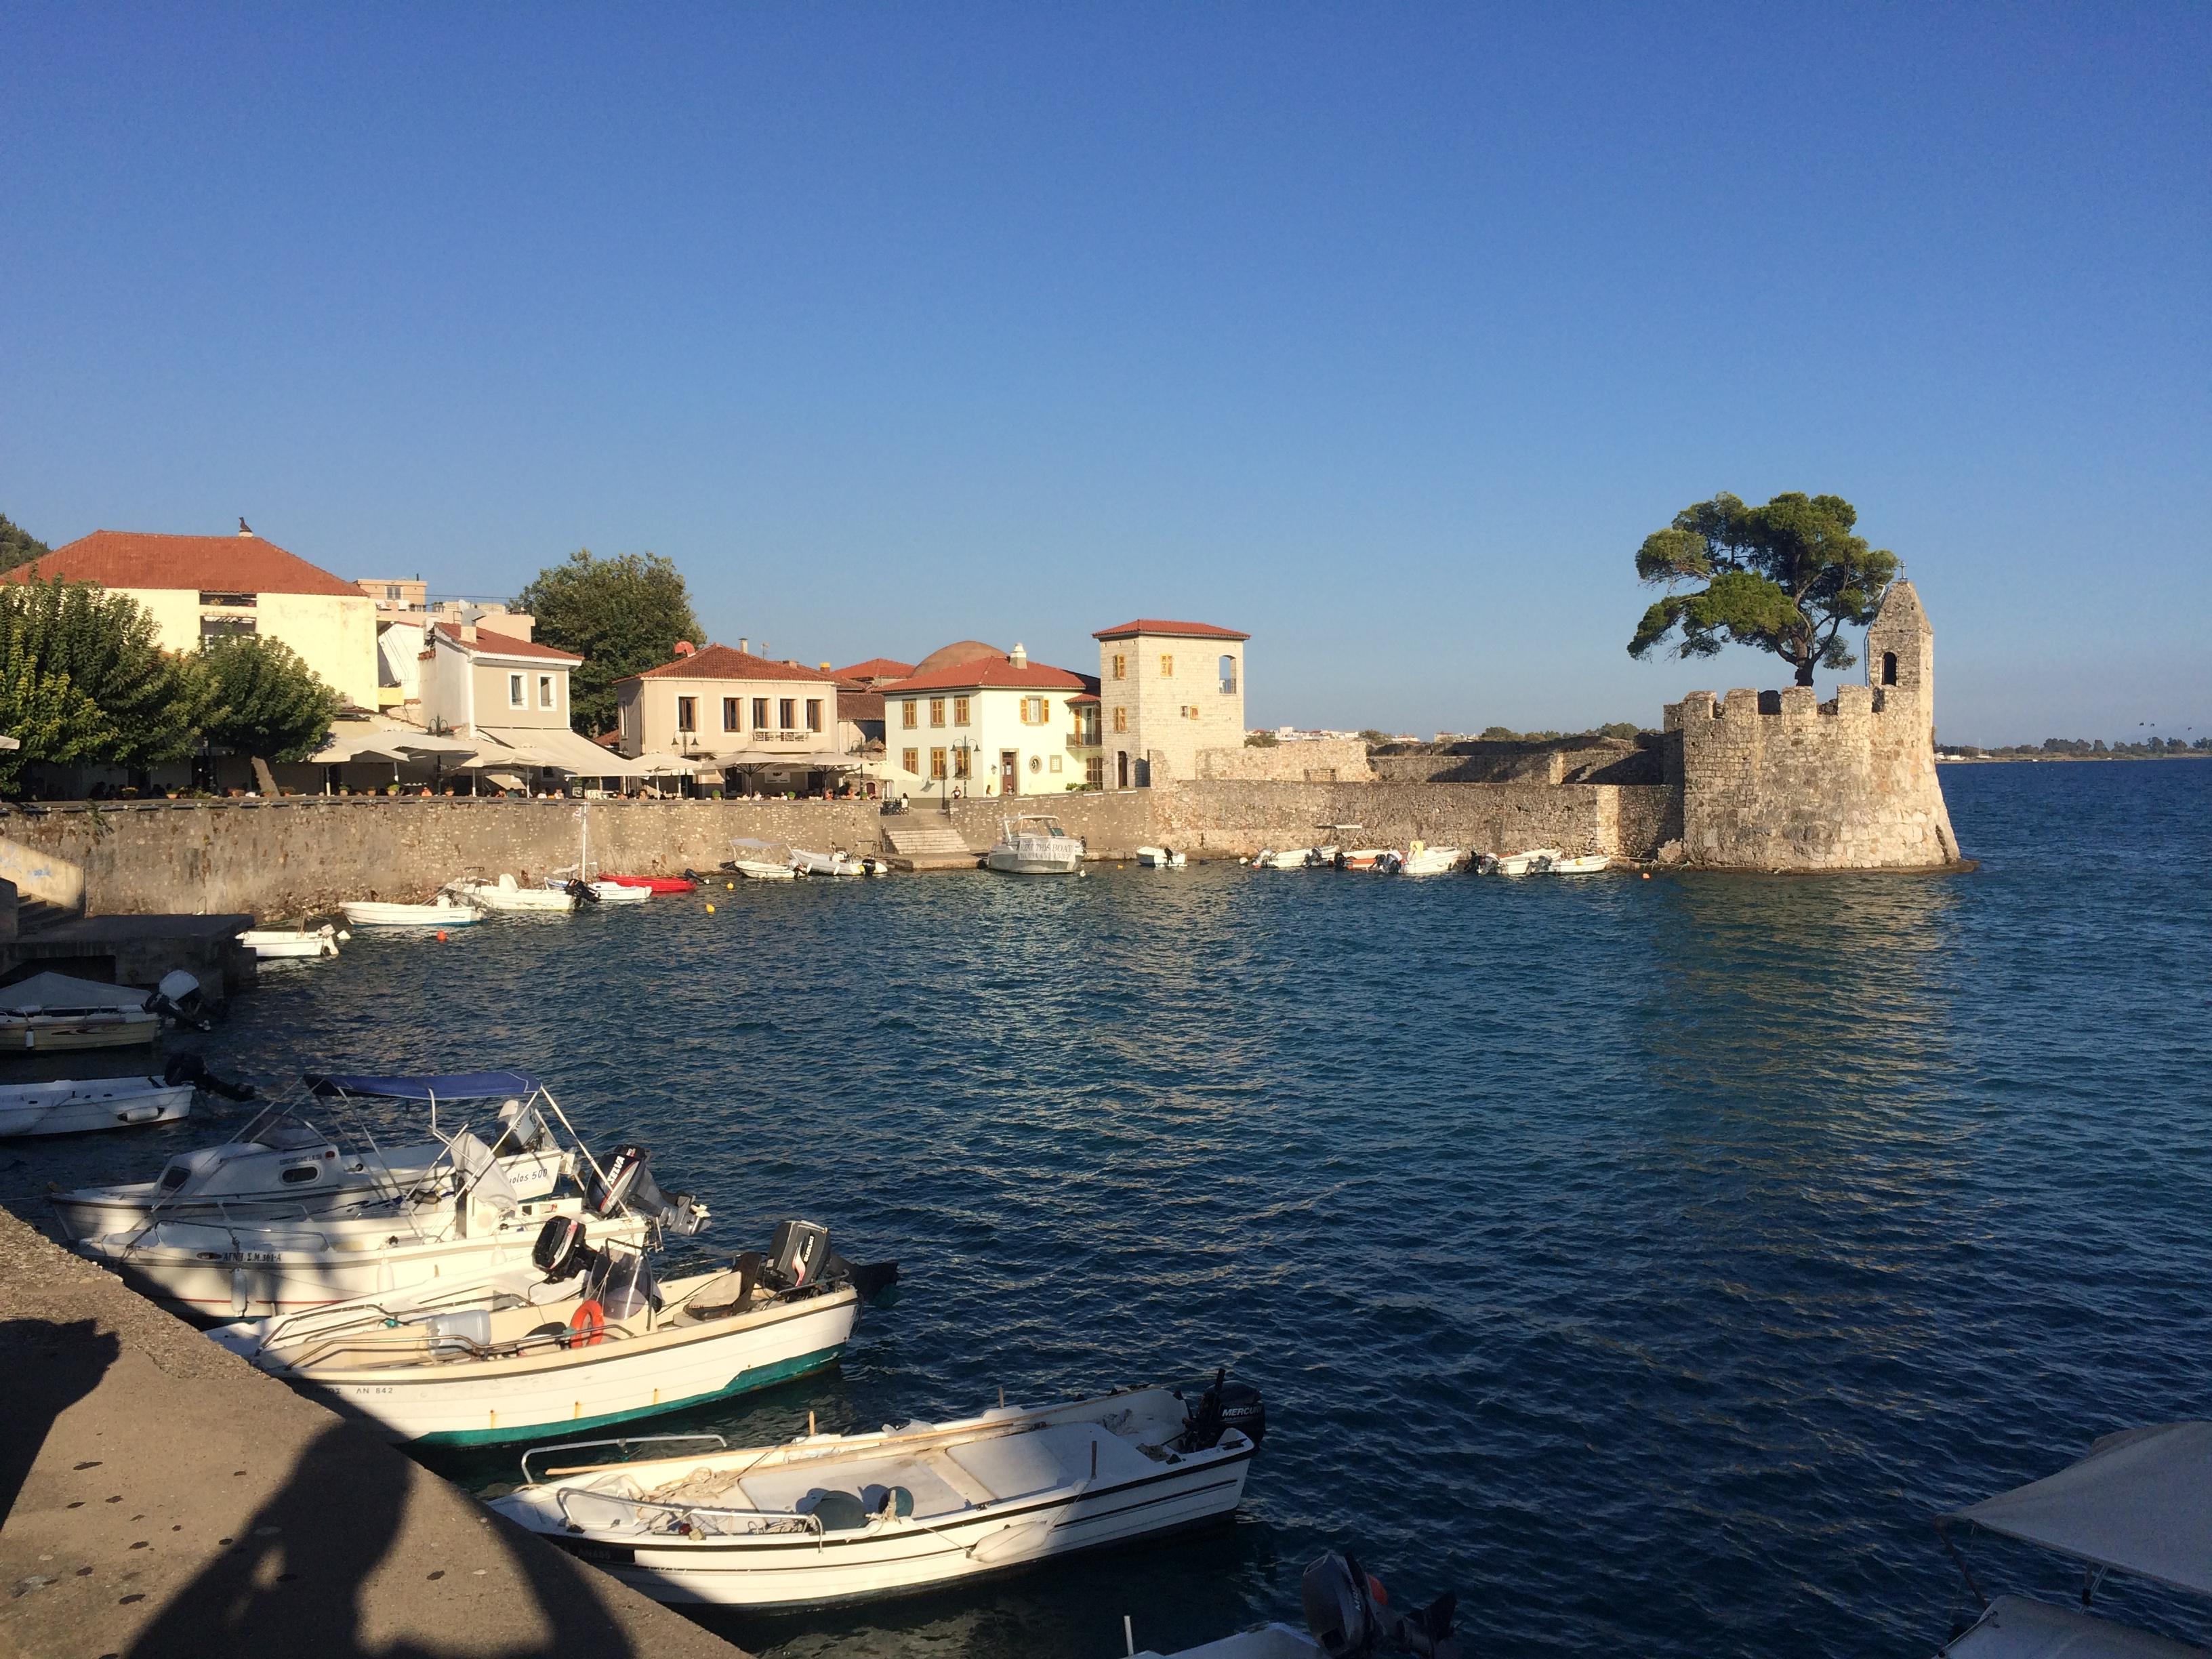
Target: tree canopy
(264,700)
(1787,577)
(82,678)
(17,545)
(621,614)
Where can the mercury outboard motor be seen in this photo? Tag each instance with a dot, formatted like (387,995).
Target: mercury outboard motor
(1348,1612)
(624,1184)
(191,1068)
(1224,1406)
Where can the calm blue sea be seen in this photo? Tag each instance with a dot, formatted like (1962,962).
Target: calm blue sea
(1647,1259)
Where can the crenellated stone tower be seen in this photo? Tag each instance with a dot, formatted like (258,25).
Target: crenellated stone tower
(1779,781)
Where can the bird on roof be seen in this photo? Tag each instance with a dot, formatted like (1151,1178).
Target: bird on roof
(244,528)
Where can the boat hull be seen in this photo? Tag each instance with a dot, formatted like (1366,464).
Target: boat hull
(1014,861)
(60,1034)
(67,1109)
(371,914)
(655,883)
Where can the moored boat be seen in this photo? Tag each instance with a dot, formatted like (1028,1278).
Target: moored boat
(655,883)
(576,1338)
(444,913)
(1385,859)
(601,891)
(1160,858)
(829,1517)
(55,1013)
(1034,844)
(836,862)
(275,944)
(1423,859)
(1533,862)
(1586,863)
(74,1107)
(762,860)
(507,895)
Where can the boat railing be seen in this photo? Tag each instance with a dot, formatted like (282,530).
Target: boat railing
(624,1444)
(755,1521)
(416,1334)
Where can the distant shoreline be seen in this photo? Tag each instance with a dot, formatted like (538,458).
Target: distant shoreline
(2045,760)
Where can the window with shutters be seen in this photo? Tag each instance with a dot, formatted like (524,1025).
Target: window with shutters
(687,715)
(960,711)
(1167,666)
(1120,666)
(760,714)
(937,711)
(960,758)
(730,715)
(787,710)
(910,760)
(1121,720)
(937,764)
(907,717)
(814,714)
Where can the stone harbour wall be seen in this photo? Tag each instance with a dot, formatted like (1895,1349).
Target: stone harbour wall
(1223,819)
(1301,760)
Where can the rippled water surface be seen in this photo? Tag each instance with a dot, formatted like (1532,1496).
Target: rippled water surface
(1647,1259)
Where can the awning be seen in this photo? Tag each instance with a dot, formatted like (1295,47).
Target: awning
(555,746)
(2141,1501)
(659,765)
(2017,1628)
(51,993)
(456,1085)
(383,739)
(809,760)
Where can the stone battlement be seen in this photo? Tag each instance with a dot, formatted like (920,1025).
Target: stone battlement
(1795,702)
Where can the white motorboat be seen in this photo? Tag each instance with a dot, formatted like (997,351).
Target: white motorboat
(106,1102)
(275,944)
(829,1517)
(1296,858)
(282,1167)
(1348,1616)
(2140,1504)
(1034,844)
(1161,858)
(762,860)
(1534,861)
(575,1339)
(1423,859)
(446,912)
(836,862)
(1586,863)
(507,896)
(1385,859)
(602,892)
(54,1013)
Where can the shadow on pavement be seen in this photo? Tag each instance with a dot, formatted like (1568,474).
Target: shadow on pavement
(49,1367)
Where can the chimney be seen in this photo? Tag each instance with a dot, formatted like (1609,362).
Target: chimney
(744,645)
(1018,657)
(468,632)
(684,648)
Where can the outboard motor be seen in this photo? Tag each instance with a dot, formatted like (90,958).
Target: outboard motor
(799,1254)
(1224,1406)
(1348,1612)
(179,997)
(562,1251)
(625,1185)
(581,890)
(521,1130)
(191,1068)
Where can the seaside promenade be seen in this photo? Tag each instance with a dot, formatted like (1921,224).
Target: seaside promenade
(163,1499)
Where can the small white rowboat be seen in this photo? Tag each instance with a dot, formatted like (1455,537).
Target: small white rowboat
(274,944)
(1588,865)
(1161,858)
(1522,864)
(370,913)
(832,1517)
(106,1102)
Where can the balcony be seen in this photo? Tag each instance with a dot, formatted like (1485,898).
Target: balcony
(1082,743)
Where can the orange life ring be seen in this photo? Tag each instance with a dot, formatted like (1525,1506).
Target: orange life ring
(587,1326)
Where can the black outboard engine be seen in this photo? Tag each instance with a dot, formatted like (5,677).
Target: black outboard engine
(624,1184)
(562,1251)
(1349,1613)
(191,1068)
(179,998)
(1224,1406)
(799,1254)
(581,890)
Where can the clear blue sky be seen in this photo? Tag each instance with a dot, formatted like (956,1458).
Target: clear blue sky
(1385,332)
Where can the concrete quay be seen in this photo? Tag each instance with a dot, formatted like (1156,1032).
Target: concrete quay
(163,1499)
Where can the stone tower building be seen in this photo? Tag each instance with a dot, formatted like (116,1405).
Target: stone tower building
(1167,690)
(1779,781)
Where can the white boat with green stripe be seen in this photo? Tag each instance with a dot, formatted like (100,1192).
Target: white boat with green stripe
(580,1340)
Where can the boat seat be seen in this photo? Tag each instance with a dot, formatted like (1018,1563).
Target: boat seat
(792,1489)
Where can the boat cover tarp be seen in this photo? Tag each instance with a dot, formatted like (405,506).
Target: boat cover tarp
(2017,1628)
(51,991)
(2141,1501)
(454,1085)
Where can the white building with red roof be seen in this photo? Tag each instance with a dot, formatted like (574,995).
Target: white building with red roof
(761,724)
(507,695)
(205,587)
(1167,690)
(985,722)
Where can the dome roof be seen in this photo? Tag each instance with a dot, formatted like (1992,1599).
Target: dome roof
(952,656)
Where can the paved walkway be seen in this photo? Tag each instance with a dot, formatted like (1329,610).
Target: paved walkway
(162,1498)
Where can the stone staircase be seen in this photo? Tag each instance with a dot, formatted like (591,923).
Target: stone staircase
(928,846)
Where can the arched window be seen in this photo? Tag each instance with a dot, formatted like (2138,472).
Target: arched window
(1228,675)
(1889,668)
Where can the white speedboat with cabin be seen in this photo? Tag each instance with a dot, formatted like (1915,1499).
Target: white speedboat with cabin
(464,1225)
(56,1013)
(575,1338)
(1536,861)
(1160,858)
(106,1102)
(762,860)
(446,912)
(830,1517)
(507,896)
(1348,1616)
(2139,1505)
(283,1166)
(1034,844)
(278,943)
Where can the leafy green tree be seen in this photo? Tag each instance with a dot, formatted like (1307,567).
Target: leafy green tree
(621,614)
(1787,577)
(83,678)
(17,545)
(264,700)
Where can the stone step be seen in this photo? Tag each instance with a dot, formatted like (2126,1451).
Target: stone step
(911,840)
(35,915)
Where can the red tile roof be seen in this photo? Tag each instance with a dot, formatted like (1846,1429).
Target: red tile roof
(722,662)
(213,564)
(500,645)
(876,668)
(993,674)
(859,705)
(1180,630)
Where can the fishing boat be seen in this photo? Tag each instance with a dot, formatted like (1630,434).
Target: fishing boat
(601,891)
(1533,862)
(53,1013)
(285,1166)
(106,1102)
(1385,859)
(762,860)
(1034,844)
(1586,863)
(446,912)
(1295,858)
(2140,1505)
(1423,859)
(275,944)
(655,883)
(831,1518)
(508,896)
(575,1338)
(1348,1616)
(1160,858)
(836,862)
